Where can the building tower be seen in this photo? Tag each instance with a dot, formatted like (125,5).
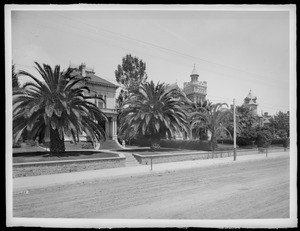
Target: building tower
(250,101)
(195,90)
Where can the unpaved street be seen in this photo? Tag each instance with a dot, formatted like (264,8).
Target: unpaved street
(256,189)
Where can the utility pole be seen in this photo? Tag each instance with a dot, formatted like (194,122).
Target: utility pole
(234,132)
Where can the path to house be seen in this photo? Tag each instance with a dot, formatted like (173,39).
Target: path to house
(251,187)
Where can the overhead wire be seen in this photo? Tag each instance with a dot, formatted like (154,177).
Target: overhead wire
(166,50)
(259,77)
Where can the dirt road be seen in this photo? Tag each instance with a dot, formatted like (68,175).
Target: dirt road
(257,189)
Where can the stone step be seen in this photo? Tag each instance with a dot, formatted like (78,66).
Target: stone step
(130,160)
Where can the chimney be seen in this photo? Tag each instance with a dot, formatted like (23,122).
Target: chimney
(83,66)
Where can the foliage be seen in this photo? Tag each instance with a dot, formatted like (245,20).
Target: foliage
(225,141)
(153,112)
(16,144)
(281,141)
(55,107)
(130,75)
(245,117)
(15,81)
(247,136)
(187,144)
(87,145)
(264,137)
(212,120)
(286,142)
(281,123)
(198,131)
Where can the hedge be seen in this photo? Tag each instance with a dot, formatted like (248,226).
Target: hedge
(225,141)
(242,141)
(186,144)
(284,142)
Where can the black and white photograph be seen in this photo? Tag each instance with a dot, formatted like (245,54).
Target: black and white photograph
(151,116)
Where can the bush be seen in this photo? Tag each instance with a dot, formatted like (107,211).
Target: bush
(141,141)
(17,145)
(242,141)
(87,145)
(186,144)
(281,141)
(264,138)
(32,143)
(286,142)
(225,141)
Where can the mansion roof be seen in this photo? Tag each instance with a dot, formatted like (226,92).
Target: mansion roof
(92,78)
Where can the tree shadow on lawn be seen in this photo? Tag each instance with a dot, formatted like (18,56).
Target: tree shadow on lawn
(48,154)
(68,155)
(148,150)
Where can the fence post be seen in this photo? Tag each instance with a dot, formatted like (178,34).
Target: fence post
(151,162)
(266,152)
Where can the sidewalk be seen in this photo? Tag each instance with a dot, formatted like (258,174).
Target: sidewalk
(25,183)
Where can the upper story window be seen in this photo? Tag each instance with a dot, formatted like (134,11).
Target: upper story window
(101,103)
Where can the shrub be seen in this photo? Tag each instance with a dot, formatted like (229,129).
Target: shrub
(31,143)
(87,145)
(243,141)
(286,142)
(264,138)
(225,141)
(140,141)
(186,144)
(17,145)
(281,141)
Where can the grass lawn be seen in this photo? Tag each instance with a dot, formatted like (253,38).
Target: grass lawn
(29,153)
(148,151)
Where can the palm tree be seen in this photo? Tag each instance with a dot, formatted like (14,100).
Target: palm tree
(15,82)
(212,120)
(154,112)
(198,131)
(55,107)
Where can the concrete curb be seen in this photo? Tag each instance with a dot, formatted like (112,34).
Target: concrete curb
(75,177)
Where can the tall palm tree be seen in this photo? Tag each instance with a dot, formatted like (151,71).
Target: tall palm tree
(152,111)
(55,107)
(198,131)
(212,120)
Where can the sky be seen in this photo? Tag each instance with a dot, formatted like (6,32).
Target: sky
(234,51)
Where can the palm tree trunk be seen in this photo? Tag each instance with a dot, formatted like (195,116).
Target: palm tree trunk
(213,141)
(57,145)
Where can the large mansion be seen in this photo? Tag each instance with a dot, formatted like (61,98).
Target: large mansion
(106,90)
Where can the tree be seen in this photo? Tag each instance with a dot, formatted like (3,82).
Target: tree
(15,81)
(281,123)
(130,75)
(264,137)
(55,107)
(245,124)
(199,131)
(245,117)
(212,120)
(153,112)
(247,136)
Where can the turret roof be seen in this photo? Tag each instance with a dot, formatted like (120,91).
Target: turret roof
(194,72)
(250,96)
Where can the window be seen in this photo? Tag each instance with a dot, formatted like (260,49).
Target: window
(101,102)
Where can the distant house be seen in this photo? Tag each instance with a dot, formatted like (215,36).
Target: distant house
(195,90)
(250,101)
(264,119)
(100,87)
